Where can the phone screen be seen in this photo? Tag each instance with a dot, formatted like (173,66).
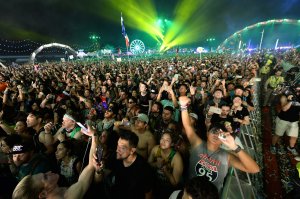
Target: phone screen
(104,104)
(83,128)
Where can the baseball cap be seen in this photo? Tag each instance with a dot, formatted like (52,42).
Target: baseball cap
(194,115)
(143,117)
(22,148)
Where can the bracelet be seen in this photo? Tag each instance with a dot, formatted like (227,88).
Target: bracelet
(183,108)
(238,149)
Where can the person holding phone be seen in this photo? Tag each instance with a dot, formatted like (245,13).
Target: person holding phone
(68,130)
(207,158)
(44,185)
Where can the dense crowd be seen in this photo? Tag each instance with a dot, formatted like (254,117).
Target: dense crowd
(162,127)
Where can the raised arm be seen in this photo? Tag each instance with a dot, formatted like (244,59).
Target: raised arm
(189,129)
(174,100)
(78,189)
(240,160)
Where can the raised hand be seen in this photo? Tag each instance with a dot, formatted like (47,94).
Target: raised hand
(184,100)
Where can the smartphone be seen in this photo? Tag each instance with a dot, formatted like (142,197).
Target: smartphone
(215,110)
(222,136)
(83,128)
(66,93)
(99,153)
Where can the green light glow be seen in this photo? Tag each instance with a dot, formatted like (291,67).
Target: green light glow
(16,33)
(186,27)
(140,15)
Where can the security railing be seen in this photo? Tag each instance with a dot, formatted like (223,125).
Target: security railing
(243,185)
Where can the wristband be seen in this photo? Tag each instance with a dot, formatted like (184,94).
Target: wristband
(238,149)
(183,108)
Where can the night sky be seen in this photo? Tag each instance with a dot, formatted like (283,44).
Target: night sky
(72,21)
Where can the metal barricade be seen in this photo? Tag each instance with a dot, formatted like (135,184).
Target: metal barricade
(240,184)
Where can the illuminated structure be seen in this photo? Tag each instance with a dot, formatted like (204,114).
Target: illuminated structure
(237,36)
(39,49)
(137,47)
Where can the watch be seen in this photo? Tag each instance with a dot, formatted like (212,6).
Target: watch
(238,149)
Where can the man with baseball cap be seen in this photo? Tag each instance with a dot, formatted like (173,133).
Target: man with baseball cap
(146,138)
(25,161)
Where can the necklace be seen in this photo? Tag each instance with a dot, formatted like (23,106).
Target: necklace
(212,154)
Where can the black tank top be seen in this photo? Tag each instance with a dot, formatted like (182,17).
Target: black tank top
(291,115)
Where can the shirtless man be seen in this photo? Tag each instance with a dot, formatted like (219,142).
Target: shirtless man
(146,138)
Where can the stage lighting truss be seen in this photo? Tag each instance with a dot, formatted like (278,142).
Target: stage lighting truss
(137,47)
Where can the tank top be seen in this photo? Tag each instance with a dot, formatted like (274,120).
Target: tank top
(213,165)
(72,133)
(291,115)
(69,171)
(144,102)
(159,174)
(38,146)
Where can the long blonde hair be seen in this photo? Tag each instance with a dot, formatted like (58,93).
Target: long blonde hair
(27,189)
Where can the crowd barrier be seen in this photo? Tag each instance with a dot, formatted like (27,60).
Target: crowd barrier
(238,184)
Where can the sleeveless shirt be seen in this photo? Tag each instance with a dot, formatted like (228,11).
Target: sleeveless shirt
(69,171)
(291,115)
(167,161)
(213,165)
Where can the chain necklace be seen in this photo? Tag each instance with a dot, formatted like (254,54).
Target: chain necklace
(213,153)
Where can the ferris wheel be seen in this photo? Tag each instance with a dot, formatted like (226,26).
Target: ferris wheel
(137,47)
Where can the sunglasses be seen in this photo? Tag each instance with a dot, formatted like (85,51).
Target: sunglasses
(130,102)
